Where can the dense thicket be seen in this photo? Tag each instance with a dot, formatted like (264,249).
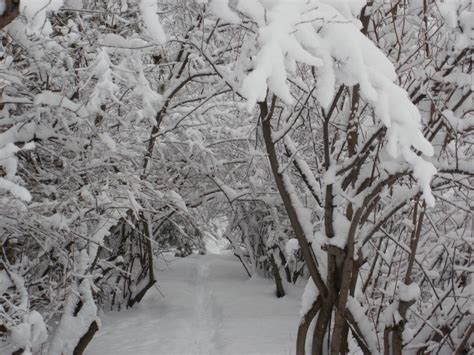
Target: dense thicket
(333,139)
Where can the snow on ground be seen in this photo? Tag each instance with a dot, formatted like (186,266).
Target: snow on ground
(209,307)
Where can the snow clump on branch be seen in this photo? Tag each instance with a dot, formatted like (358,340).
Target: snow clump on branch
(327,36)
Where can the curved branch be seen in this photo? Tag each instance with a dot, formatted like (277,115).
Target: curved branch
(266,114)
(304,326)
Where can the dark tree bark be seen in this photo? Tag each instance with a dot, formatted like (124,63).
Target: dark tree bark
(12,10)
(86,338)
(280,291)
(151,268)
(304,326)
(266,114)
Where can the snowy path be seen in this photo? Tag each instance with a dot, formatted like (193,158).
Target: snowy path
(209,307)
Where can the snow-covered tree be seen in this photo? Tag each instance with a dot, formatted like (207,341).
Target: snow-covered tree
(128,126)
(333,107)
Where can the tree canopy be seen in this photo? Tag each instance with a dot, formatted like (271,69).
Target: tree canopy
(331,139)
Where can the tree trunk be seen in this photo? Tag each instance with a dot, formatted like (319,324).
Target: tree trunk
(86,338)
(280,291)
(304,326)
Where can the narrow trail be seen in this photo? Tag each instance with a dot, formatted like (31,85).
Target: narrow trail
(208,307)
(208,317)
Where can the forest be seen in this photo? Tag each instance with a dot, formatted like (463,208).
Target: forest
(327,147)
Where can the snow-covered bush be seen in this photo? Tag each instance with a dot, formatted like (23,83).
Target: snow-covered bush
(77,115)
(349,120)
(306,124)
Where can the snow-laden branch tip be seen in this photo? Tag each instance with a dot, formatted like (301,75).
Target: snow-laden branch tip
(327,37)
(222,10)
(35,12)
(149,9)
